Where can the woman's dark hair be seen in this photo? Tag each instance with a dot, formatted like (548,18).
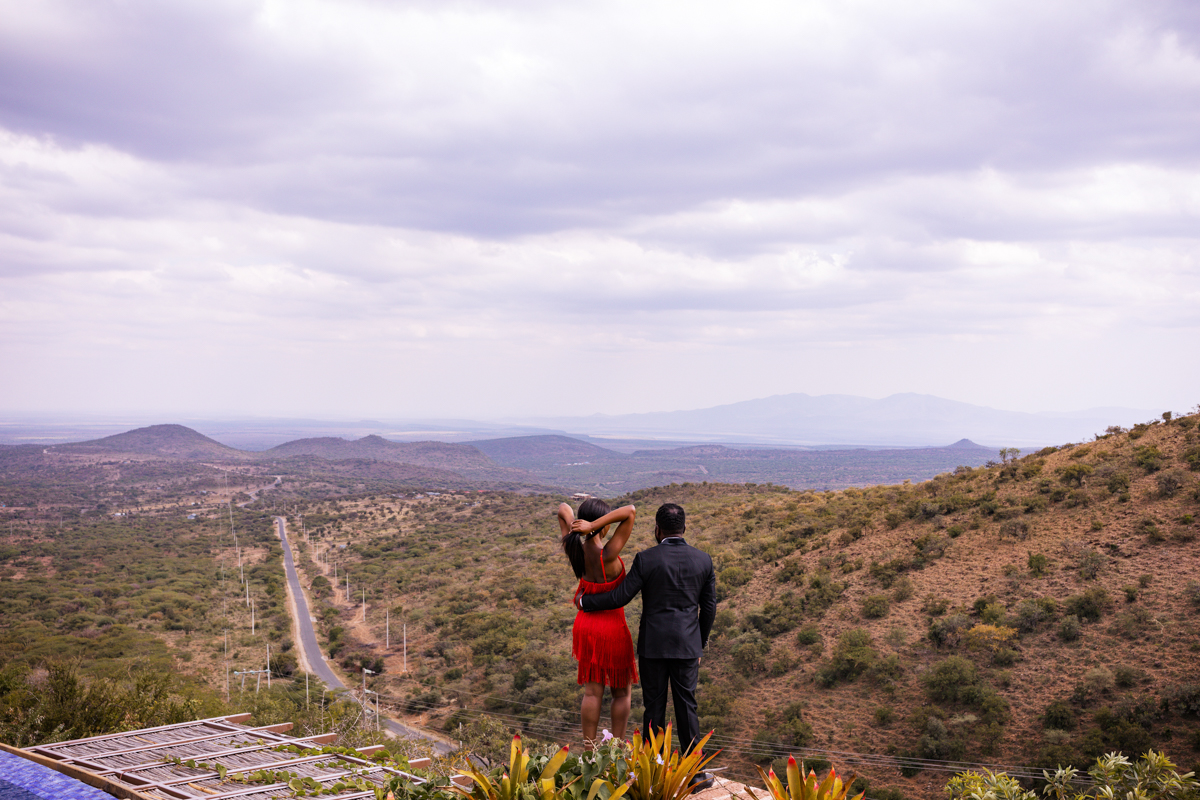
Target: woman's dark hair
(590,510)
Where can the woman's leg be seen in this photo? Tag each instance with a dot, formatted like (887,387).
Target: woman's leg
(593,695)
(620,710)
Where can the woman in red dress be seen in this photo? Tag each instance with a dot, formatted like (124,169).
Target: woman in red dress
(601,640)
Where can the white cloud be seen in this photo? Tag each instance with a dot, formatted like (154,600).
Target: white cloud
(415,209)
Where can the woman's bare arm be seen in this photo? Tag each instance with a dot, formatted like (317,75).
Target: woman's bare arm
(624,517)
(565,517)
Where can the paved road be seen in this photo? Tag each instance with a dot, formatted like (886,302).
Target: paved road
(312,649)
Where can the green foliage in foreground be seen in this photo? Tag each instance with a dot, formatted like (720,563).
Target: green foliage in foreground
(61,705)
(1151,777)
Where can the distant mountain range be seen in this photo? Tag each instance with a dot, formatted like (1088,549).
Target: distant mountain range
(541,462)
(582,466)
(902,420)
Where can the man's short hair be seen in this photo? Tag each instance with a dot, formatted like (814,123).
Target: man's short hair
(670,519)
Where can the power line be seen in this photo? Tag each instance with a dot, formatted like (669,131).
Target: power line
(739,746)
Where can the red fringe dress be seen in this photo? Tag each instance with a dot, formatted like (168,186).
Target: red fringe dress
(601,640)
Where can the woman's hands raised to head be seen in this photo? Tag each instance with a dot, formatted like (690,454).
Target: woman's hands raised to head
(583,526)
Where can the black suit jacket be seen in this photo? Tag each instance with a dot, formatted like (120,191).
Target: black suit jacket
(679,599)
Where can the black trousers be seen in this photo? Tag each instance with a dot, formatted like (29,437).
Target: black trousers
(680,674)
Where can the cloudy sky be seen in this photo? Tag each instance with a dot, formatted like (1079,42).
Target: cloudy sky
(430,209)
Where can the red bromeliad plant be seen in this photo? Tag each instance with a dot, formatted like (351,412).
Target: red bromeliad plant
(806,787)
(515,784)
(656,773)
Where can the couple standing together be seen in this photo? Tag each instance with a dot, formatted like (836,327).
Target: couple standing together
(679,603)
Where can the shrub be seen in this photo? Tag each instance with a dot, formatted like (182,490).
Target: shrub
(1148,526)
(1073,474)
(949,632)
(787,727)
(1017,529)
(749,652)
(735,576)
(725,620)
(876,606)
(990,637)
(1069,629)
(935,606)
(791,572)
(1185,700)
(1131,593)
(937,743)
(1126,676)
(1090,605)
(853,655)
(1059,715)
(1095,682)
(1192,593)
(951,680)
(1029,616)
(902,589)
(1191,457)
(1117,483)
(1090,564)
(1170,482)
(1148,457)
(808,635)
(1133,622)
(1039,564)
(774,618)
(884,715)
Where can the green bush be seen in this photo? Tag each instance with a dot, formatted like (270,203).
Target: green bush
(935,606)
(1059,715)
(853,655)
(1170,482)
(876,606)
(1039,564)
(1091,563)
(949,632)
(951,680)
(735,576)
(1090,605)
(1069,629)
(1148,457)
(749,652)
(808,635)
(1029,616)
(1073,474)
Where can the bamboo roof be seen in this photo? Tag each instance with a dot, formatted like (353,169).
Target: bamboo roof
(202,758)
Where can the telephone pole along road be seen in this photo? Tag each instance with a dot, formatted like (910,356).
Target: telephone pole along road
(312,650)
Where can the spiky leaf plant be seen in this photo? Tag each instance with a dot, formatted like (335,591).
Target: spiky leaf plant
(806,787)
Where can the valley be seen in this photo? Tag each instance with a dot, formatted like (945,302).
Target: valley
(1038,611)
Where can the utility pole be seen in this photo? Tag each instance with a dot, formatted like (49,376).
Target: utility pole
(365,672)
(364,605)
(251,619)
(268,665)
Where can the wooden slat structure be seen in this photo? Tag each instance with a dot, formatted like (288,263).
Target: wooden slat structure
(153,762)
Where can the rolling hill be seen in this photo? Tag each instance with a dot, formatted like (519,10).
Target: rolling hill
(165,441)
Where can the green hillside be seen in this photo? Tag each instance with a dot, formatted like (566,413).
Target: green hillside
(1040,611)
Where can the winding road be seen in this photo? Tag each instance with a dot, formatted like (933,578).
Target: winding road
(312,649)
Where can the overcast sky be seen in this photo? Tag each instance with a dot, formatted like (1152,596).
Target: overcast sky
(429,209)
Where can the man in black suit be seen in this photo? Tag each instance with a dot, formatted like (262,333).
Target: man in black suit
(679,603)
